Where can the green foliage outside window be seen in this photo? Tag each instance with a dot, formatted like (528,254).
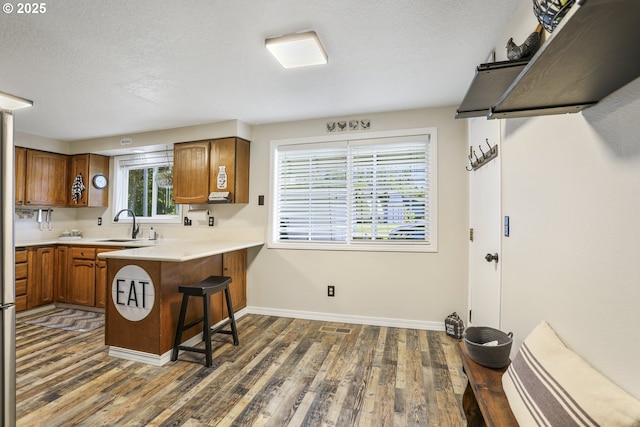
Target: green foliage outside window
(143,187)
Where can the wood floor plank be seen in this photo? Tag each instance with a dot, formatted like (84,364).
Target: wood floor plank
(284,372)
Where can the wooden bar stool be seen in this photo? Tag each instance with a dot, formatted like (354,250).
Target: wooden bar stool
(204,289)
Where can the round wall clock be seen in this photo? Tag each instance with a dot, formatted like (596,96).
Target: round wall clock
(100,181)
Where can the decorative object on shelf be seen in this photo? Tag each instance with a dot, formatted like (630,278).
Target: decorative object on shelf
(77,188)
(165,178)
(484,158)
(526,49)
(354,124)
(550,12)
(100,181)
(342,125)
(365,123)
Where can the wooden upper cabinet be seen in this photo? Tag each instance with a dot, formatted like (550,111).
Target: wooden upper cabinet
(20,173)
(88,166)
(191,172)
(233,154)
(46,179)
(196,166)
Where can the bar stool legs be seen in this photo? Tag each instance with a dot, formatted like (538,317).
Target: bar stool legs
(232,317)
(205,289)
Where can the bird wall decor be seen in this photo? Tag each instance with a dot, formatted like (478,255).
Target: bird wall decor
(526,49)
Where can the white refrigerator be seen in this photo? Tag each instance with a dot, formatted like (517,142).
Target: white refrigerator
(8,294)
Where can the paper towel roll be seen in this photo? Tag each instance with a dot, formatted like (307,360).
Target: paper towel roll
(199,215)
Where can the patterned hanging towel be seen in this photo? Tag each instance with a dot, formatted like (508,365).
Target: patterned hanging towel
(77,188)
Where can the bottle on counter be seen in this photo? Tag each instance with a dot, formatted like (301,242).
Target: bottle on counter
(152,234)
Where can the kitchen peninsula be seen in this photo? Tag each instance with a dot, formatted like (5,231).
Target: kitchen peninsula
(143,301)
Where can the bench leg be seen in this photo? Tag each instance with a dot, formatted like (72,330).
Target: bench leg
(471,408)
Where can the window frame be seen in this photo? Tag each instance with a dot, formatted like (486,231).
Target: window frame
(122,165)
(350,244)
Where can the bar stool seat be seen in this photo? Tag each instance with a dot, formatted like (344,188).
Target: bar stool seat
(204,289)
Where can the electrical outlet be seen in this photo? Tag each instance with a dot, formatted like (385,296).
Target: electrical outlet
(331,291)
(261,200)
(211,221)
(99,220)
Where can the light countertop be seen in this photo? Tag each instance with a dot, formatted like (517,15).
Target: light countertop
(176,250)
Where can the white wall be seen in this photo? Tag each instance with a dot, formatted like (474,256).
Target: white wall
(416,287)
(571,186)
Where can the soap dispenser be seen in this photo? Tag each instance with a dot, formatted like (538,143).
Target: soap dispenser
(152,234)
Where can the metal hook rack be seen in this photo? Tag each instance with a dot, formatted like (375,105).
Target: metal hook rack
(484,158)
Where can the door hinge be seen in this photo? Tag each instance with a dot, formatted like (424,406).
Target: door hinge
(471,234)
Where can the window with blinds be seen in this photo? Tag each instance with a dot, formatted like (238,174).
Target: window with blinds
(355,194)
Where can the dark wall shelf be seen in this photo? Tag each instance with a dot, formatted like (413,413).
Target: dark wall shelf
(592,53)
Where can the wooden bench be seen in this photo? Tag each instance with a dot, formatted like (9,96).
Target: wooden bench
(484,401)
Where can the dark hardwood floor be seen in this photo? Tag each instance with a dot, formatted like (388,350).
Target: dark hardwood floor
(285,372)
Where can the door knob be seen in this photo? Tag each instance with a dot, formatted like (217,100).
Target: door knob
(491,257)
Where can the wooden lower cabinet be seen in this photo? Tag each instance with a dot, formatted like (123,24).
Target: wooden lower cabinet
(22,269)
(61,292)
(41,275)
(101,278)
(75,275)
(82,282)
(87,276)
(234,264)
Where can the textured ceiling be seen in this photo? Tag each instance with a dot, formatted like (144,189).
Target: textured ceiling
(98,68)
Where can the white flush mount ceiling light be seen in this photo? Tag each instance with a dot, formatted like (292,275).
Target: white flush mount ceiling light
(297,50)
(10,102)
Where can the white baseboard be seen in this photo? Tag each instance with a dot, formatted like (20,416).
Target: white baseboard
(347,318)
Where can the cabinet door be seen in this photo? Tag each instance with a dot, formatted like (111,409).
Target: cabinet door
(82,282)
(46,182)
(80,166)
(101,283)
(102,288)
(233,154)
(62,276)
(89,165)
(234,265)
(20,173)
(42,273)
(191,172)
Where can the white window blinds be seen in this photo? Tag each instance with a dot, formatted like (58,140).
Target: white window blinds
(312,194)
(389,192)
(355,193)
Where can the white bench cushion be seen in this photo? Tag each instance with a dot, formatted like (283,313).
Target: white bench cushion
(549,385)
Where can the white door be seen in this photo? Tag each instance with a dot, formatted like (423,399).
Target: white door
(486,221)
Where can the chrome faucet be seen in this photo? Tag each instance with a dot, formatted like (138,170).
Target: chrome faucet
(136,228)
